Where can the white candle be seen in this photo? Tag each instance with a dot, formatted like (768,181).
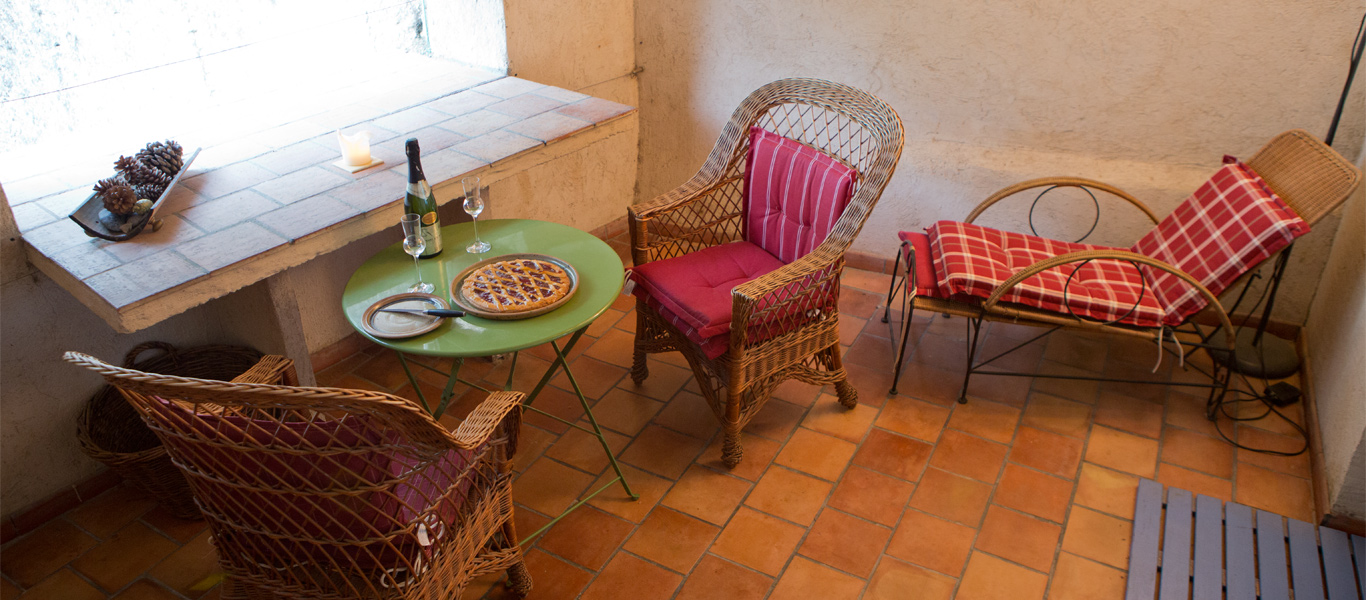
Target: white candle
(355,148)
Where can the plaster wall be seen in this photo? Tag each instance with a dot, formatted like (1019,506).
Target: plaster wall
(1146,97)
(1335,335)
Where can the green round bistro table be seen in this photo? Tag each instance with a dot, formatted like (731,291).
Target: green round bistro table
(601,275)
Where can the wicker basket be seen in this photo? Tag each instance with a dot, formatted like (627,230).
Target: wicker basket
(110,431)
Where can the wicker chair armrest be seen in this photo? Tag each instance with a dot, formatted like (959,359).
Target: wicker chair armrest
(1124,255)
(485,419)
(272,368)
(802,282)
(1059,182)
(702,188)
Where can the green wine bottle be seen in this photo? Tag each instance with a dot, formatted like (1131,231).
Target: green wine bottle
(420,200)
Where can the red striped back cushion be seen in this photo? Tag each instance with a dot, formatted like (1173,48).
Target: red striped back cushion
(793,194)
(1230,224)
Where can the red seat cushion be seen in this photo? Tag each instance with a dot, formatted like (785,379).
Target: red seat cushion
(973,260)
(794,194)
(1232,223)
(694,289)
(926,281)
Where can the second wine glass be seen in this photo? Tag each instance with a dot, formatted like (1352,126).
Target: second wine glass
(473,205)
(413,244)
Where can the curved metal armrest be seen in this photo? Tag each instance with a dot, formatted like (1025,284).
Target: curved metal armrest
(797,282)
(485,419)
(1058,182)
(1124,255)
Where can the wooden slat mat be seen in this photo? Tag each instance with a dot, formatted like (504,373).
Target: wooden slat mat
(1198,548)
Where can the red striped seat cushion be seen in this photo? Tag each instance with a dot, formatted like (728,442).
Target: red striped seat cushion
(1232,223)
(794,194)
(971,260)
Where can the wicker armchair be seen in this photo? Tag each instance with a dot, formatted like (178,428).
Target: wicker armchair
(783,324)
(334,493)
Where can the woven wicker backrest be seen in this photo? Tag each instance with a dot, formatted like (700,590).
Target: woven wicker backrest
(1310,176)
(841,121)
(320,492)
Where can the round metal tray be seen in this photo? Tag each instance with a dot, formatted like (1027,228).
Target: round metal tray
(398,326)
(470,309)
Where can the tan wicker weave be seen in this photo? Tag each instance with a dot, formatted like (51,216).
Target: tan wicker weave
(1308,175)
(784,325)
(333,493)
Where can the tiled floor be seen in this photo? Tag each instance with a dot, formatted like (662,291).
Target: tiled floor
(1024,492)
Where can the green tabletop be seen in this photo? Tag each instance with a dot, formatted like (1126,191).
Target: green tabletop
(390,272)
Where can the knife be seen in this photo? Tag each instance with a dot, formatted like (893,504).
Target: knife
(430,312)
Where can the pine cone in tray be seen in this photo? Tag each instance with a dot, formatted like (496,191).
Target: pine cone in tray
(167,157)
(137,173)
(150,191)
(116,194)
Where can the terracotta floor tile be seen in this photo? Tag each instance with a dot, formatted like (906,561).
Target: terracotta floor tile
(794,496)
(526,521)
(1084,353)
(549,487)
(614,347)
(662,451)
(64,585)
(110,511)
(941,351)
(553,578)
(871,352)
(707,494)
(586,537)
(845,542)
(859,303)
(1193,481)
(1253,437)
(1275,492)
(1076,578)
(1129,414)
(1123,451)
(145,589)
(990,578)
(650,489)
(178,529)
(798,392)
(931,384)
(595,377)
(896,580)
(776,420)
(932,542)
(1000,389)
(913,418)
(33,557)
(1188,412)
(718,579)
(1098,537)
(758,541)
(529,372)
(1071,389)
(895,455)
(1048,452)
(952,497)
(1269,422)
(385,370)
(1058,415)
(806,579)
(672,539)
(759,453)
(1030,491)
(555,401)
(871,495)
(123,558)
(1106,490)
(1201,453)
(531,444)
(9,591)
(689,414)
(1019,537)
(828,416)
(991,420)
(188,567)
(625,412)
(664,381)
(816,454)
(581,449)
(970,456)
(1019,358)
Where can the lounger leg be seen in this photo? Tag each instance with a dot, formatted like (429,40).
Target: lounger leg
(1222,376)
(975,329)
(906,314)
(891,289)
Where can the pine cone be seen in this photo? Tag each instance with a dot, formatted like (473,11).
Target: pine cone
(136,173)
(150,191)
(162,157)
(117,196)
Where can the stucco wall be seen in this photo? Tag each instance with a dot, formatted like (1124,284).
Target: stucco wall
(1148,97)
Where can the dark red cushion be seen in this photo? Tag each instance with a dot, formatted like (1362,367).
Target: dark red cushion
(926,282)
(794,194)
(696,287)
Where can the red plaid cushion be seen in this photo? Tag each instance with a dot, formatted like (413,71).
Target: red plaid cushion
(1230,224)
(973,260)
(793,194)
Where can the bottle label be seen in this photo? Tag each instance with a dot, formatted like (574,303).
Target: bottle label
(431,234)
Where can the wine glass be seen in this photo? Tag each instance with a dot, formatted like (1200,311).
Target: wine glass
(474,204)
(413,244)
